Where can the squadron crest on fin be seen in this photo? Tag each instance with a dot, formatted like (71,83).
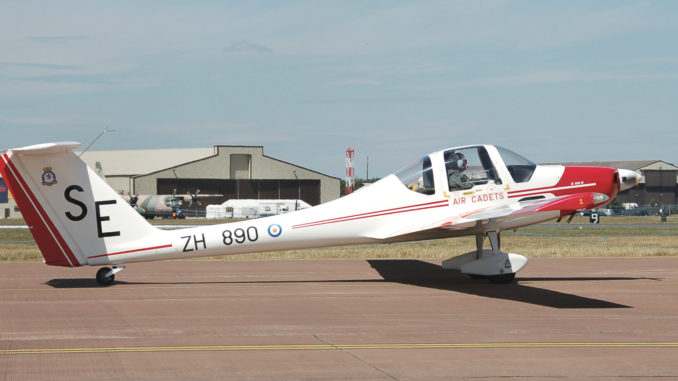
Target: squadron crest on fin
(48,176)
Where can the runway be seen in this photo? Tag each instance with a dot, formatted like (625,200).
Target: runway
(571,318)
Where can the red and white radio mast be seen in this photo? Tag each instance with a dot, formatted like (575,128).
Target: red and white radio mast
(350,182)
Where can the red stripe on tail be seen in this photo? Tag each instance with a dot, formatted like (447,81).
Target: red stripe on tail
(52,245)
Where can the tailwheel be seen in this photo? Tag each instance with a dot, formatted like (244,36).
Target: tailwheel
(502,278)
(105,276)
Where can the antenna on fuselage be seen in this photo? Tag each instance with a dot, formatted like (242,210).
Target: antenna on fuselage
(105,130)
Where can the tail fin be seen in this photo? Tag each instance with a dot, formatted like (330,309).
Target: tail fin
(72,213)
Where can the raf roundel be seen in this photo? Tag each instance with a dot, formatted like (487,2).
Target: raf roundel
(274,230)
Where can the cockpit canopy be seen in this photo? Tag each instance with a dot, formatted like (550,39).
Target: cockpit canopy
(520,168)
(418,176)
(465,168)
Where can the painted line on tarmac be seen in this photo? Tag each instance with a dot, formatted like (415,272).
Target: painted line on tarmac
(316,347)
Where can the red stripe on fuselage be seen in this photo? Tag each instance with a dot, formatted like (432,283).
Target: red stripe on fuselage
(130,251)
(378,213)
(46,235)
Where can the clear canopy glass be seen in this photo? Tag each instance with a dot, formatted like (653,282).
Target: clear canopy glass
(418,176)
(520,168)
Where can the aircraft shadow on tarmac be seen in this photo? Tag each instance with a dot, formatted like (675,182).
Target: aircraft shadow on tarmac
(424,274)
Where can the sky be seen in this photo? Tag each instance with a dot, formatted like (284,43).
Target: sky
(556,81)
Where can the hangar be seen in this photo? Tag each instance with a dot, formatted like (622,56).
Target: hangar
(235,172)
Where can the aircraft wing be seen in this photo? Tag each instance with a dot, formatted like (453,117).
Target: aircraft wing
(504,217)
(566,205)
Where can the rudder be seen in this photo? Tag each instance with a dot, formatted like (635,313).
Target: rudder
(72,213)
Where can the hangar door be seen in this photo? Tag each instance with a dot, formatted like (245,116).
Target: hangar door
(661,185)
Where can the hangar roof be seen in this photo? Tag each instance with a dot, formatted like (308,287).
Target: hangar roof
(134,163)
(139,162)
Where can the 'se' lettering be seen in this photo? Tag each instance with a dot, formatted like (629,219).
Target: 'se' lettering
(100,219)
(69,198)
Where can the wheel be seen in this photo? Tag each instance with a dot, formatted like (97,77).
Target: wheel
(502,278)
(102,278)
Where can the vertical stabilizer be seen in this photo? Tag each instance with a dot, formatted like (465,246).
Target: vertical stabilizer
(72,213)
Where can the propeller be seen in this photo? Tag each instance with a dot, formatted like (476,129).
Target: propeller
(194,198)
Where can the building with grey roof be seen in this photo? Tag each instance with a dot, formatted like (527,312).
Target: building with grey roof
(234,172)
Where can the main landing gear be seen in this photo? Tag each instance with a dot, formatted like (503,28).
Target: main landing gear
(106,275)
(495,265)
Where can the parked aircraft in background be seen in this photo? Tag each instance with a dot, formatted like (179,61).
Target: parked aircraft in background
(159,205)
(164,205)
(481,190)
